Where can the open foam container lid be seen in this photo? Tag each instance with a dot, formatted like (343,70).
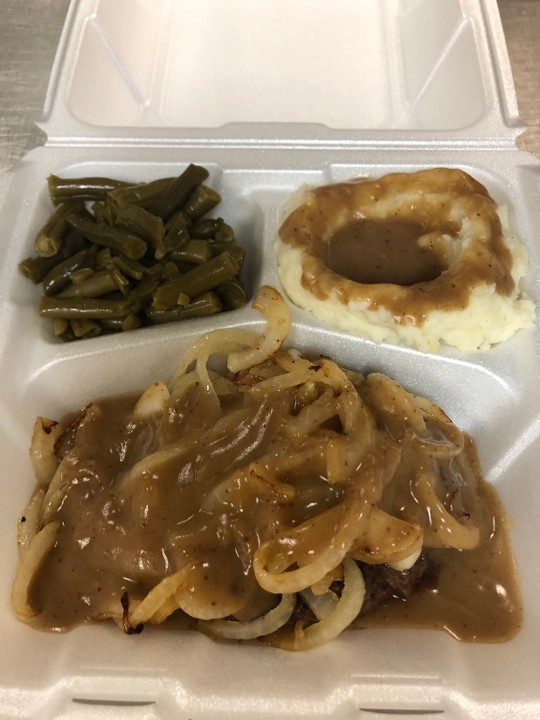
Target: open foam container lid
(269,96)
(353,71)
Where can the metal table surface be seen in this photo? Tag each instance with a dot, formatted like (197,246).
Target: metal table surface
(30,30)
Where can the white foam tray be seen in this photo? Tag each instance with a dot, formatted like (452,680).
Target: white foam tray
(129,110)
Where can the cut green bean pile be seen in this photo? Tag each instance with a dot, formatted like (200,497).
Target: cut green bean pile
(115,256)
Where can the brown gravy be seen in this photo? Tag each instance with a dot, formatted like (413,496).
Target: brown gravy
(373,251)
(344,229)
(464,596)
(117,538)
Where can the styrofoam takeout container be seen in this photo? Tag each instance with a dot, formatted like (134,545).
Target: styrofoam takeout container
(269,96)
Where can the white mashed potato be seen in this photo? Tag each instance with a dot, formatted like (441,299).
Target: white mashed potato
(487,318)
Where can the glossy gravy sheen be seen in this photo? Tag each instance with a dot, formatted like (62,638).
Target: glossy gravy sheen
(462,594)
(375,251)
(119,537)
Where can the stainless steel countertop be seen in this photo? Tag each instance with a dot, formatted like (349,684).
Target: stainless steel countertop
(30,30)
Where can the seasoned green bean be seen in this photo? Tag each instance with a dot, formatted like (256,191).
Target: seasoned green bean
(104,258)
(87,188)
(178,191)
(85,328)
(60,326)
(72,243)
(131,246)
(49,245)
(68,335)
(103,212)
(206,228)
(90,308)
(169,271)
(142,294)
(237,251)
(196,281)
(81,275)
(36,268)
(130,268)
(124,255)
(142,194)
(196,252)
(60,276)
(138,221)
(120,280)
(202,306)
(176,231)
(232,294)
(131,322)
(224,234)
(98,284)
(49,237)
(201,201)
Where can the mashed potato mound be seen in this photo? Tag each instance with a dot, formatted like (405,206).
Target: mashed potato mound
(423,258)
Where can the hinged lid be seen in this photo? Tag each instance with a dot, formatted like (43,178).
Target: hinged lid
(287,72)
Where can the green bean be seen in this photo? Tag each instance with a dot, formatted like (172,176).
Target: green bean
(143,253)
(206,228)
(120,280)
(60,276)
(81,275)
(103,212)
(85,328)
(232,294)
(98,284)
(104,258)
(196,281)
(176,231)
(68,335)
(106,261)
(169,271)
(78,308)
(130,245)
(60,326)
(36,268)
(201,201)
(130,268)
(224,234)
(143,224)
(49,245)
(184,267)
(178,191)
(196,252)
(131,322)
(141,295)
(237,251)
(142,194)
(88,188)
(202,306)
(73,242)
(49,237)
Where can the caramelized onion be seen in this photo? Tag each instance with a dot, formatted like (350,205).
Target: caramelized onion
(218,497)
(264,625)
(448,530)
(345,611)
(28,525)
(278,326)
(39,547)
(387,539)
(44,461)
